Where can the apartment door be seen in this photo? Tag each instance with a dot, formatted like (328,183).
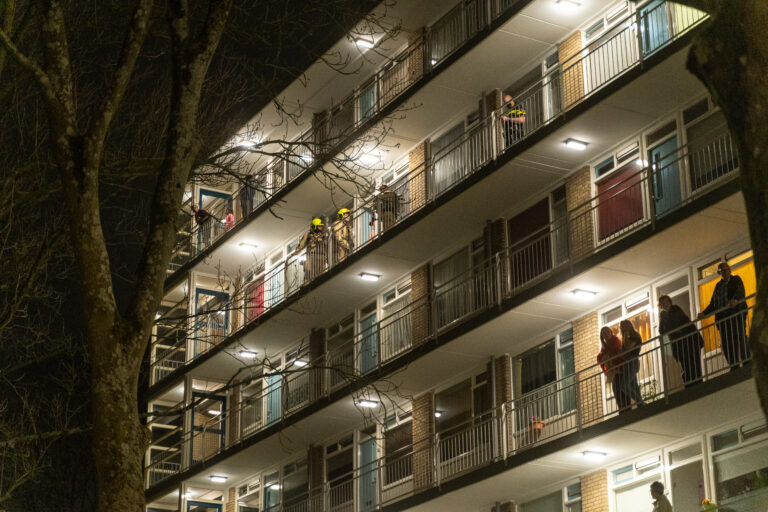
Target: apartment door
(274,398)
(620,200)
(272,492)
(207,425)
(654,25)
(369,341)
(448,159)
(529,239)
(667,189)
(216,204)
(687,486)
(211,319)
(254,298)
(199,506)
(368,474)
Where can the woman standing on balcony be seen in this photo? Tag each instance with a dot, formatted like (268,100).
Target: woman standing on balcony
(631,342)
(612,363)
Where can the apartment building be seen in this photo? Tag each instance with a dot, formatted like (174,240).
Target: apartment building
(434,346)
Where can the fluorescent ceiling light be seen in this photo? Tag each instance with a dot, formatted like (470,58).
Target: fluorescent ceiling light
(250,354)
(584,294)
(438,414)
(219,479)
(244,143)
(366,276)
(363,42)
(247,245)
(214,412)
(275,487)
(568,2)
(593,455)
(369,158)
(433,61)
(300,363)
(306,158)
(370,404)
(576,144)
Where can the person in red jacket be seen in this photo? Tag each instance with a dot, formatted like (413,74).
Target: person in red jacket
(613,366)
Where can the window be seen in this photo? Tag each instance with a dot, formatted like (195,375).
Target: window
(535,368)
(742,474)
(594,30)
(397,453)
(695,111)
(546,503)
(604,167)
(572,498)
(395,325)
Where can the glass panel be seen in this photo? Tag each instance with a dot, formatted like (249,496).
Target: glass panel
(573,507)
(695,111)
(684,453)
(573,491)
(724,440)
(624,474)
(687,487)
(535,368)
(567,368)
(742,473)
(634,497)
(549,503)
(612,315)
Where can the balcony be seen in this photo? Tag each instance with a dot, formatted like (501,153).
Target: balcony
(563,413)
(390,342)
(479,149)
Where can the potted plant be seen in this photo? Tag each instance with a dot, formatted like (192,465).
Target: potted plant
(708,505)
(536,425)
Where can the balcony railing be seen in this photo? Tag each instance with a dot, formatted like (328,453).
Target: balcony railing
(639,200)
(662,366)
(575,80)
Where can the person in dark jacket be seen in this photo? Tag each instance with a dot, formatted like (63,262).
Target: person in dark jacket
(203,221)
(730,308)
(631,343)
(683,337)
(612,363)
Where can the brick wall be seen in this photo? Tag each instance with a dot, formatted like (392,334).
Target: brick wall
(417,183)
(416,56)
(317,350)
(504,395)
(586,345)
(491,102)
(573,71)
(316,474)
(231,504)
(578,190)
(421,285)
(594,492)
(422,434)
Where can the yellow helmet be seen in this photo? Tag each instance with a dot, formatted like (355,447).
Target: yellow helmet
(316,223)
(340,213)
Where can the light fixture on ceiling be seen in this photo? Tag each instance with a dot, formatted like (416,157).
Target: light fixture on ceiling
(583,294)
(576,145)
(364,42)
(245,143)
(214,412)
(568,2)
(157,315)
(219,479)
(248,354)
(306,158)
(593,455)
(367,403)
(367,276)
(438,414)
(369,158)
(247,245)
(300,363)
(275,487)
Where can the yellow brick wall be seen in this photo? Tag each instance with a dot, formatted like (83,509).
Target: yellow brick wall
(586,345)
(594,492)
(423,433)
(417,184)
(231,504)
(578,190)
(421,285)
(572,70)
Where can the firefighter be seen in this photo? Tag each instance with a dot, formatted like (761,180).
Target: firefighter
(314,241)
(342,234)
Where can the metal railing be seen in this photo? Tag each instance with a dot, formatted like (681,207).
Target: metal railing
(638,201)
(659,367)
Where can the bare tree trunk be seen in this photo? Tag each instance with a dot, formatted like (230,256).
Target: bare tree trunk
(731,58)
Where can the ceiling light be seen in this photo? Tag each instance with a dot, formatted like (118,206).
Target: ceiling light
(583,294)
(249,354)
(214,412)
(247,245)
(300,363)
(433,61)
(576,144)
(158,315)
(438,414)
(569,2)
(306,158)
(366,276)
(370,404)
(244,143)
(275,487)
(363,42)
(593,455)
(219,479)
(369,158)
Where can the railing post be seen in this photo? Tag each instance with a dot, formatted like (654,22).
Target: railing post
(663,364)
(494,136)
(651,196)
(639,35)
(498,263)
(436,458)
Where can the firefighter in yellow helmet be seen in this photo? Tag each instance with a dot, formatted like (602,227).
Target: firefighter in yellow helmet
(317,254)
(342,235)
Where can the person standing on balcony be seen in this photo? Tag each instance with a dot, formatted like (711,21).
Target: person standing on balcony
(342,234)
(386,206)
(661,504)
(513,121)
(631,343)
(314,241)
(229,219)
(203,221)
(683,337)
(728,302)
(612,363)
